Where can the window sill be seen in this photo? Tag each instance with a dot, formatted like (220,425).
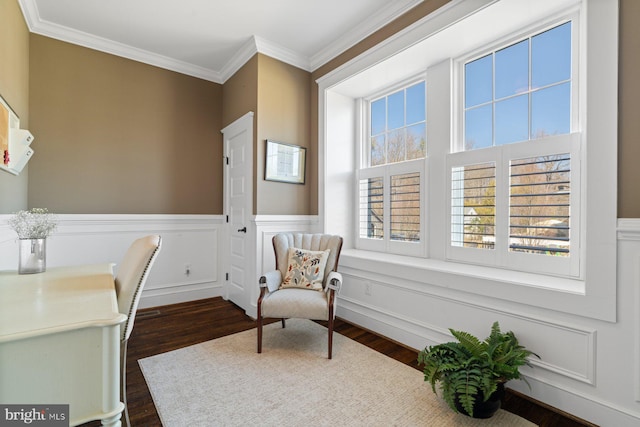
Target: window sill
(419,274)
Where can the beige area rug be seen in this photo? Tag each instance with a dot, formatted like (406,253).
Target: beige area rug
(224,382)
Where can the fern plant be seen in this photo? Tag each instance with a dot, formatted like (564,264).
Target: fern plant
(471,369)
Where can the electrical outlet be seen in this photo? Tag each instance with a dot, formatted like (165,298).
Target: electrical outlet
(187,269)
(367,288)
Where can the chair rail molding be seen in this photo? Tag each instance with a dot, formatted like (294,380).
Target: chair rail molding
(629,229)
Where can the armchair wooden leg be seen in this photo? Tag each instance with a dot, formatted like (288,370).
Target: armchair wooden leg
(330,331)
(259,334)
(283,325)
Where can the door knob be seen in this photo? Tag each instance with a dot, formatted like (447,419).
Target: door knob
(242,230)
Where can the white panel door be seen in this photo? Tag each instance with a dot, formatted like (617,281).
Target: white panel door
(238,146)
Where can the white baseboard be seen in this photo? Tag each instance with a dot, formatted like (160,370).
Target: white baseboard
(179,294)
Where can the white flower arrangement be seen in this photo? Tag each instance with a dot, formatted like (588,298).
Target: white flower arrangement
(36,223)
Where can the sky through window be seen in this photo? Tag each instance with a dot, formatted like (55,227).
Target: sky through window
(520,92)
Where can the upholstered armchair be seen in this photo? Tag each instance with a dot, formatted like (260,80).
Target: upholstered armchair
(305,282)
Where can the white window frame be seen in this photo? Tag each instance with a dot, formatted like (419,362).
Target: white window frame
(386,171)
(502,155)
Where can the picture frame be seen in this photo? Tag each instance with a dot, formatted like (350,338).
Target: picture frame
(285,162)
(9,124)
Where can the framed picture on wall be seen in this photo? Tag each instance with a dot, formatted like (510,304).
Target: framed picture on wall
(285,162)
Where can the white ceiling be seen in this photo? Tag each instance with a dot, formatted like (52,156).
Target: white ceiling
(211,39)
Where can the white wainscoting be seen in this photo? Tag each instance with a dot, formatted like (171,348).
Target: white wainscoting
(588,367)
(187,240)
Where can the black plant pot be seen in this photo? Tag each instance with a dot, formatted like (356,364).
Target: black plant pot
(482,409)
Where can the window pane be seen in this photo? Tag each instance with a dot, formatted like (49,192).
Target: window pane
(550,111)
(371,208)
(478,77)
(478,132)
(416,103)
(416,141)
(512,120)
(512,70)
(396,147)
(473,206)
(539,201)
(400,119)
(395,113)
(377,150)
(378,115)
(551,56)
(543,59)
(405,207)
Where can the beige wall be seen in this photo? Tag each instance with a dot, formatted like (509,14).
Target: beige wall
(14,88)
(240,95)
(629,111)
(284,106)
(279,96)
(117,136)
(240,92)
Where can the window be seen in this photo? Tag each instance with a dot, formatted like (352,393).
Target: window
(473,206)
(390,211)
(372,208)
(512,189)
(405,207)
(398,126)
(519,92)
(566,180)
(539,205)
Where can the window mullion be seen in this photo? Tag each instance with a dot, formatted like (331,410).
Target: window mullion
(386,191)
(502,207)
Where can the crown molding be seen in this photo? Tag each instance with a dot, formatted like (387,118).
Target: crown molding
(254,45)
(245,53)
(369,26)
(282,53)
(259,45)
(38,26)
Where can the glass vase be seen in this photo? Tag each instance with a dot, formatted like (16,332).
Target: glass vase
(33,256)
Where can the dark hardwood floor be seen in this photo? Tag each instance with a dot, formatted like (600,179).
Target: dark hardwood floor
(161,329)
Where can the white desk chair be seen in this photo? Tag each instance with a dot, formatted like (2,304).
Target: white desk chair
(130,279)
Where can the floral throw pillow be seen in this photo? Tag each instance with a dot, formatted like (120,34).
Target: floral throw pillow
(306,269)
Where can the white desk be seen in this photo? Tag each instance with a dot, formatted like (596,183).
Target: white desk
(60,341)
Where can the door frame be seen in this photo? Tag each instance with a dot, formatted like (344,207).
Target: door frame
(244,123)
